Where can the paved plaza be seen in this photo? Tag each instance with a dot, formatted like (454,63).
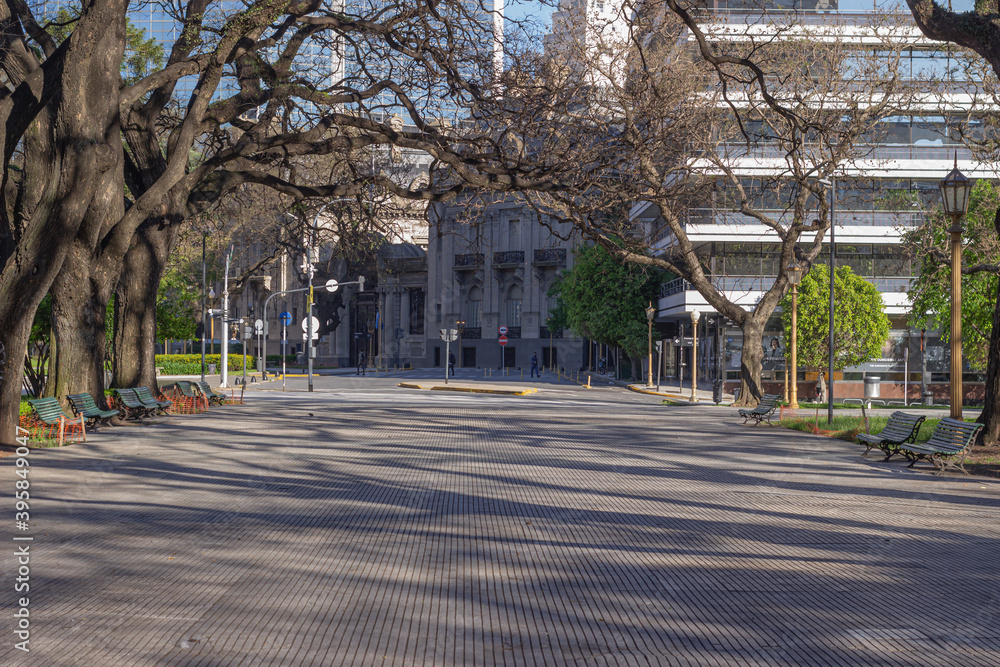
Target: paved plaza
(367,524)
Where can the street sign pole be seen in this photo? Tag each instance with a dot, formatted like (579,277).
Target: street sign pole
(284,352)
(447,356)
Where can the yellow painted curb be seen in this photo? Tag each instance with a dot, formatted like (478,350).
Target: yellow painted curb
(407,385)
(474,390)
(655,393)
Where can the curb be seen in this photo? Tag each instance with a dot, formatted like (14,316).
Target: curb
(472,390)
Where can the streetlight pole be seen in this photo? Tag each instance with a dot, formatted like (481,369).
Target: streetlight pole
(955,189)
(224,362)
(794,276)
(650,313)
(460,325)
(695,316)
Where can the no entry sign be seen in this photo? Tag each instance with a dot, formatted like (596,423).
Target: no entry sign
(503,340)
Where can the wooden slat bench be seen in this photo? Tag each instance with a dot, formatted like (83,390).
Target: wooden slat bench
(85,406)
(901,428)
(763,411)
(154,404)
(131,405)
(51,421)
(188,398)
(213,397)
(948,445)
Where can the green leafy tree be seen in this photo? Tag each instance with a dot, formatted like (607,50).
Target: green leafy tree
(602,299)
(860,325)
(177,306)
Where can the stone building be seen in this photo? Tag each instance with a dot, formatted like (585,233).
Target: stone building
(490,266)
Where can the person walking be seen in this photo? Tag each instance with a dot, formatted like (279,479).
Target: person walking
(534,365)
(451,363)
(362,364)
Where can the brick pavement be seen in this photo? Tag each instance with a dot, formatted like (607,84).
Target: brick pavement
(409,528)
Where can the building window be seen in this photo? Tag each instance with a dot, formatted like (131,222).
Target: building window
(474,308)
(417,311)
(514,306)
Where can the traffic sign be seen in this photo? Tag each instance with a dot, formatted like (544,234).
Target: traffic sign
(449,335)
(247,332)
(332,285)
(315,324)
(503,330)
(305,336)
(503,340)
(259,326)
(285,318)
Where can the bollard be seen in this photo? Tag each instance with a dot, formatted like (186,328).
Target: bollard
(588,381)
(522,373)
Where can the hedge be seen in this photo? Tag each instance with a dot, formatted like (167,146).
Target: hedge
(190,364)
(276,358)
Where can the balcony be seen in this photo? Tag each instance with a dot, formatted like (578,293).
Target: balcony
(550,257)
(469,261)
(507,259)
(472,333)
(513,332)
(543,332)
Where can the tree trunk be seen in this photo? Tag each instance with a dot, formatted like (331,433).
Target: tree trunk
(990,416)
(134,360)
(751,361)
(13,341)
(78,333)
(823,394)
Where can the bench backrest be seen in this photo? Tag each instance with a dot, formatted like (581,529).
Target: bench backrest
(205,388)
(129,398)
(902,426)
(187,388)
(768,401)
(952,435)
(47,409)
(145,395)
(82,402)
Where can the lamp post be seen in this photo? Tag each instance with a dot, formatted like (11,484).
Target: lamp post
(204,302)
(695,316)
(794,276)
(650,312)
(211,319)
(955,189)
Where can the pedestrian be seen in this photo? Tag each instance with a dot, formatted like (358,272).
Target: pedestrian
(451,363)
(362,364)
(534,365)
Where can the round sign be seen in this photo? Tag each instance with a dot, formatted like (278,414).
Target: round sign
(503,330)
(259,325)
(332,285)
(503,340)
(315,324)
(285,318)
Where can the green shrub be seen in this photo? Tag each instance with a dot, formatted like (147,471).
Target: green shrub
(276,358)
(190,364)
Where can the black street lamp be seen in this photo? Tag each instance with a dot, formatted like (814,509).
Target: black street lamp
(955,190)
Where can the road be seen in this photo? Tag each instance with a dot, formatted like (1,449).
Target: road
(368,524)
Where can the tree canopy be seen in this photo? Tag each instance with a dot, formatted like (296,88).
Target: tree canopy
(860,325)
(604,299)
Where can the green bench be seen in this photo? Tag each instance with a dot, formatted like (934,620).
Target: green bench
(85,406)
(189,398)
(212,396)
(131,406)
(51,421)
(901,429)
(947,447)
(764,410)
(154,404)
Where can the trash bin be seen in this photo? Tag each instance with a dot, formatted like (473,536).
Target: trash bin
(871,388)
(928,398)
(736,394)
(211,369)
(717,391)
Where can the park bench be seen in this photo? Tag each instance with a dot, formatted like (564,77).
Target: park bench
(49,421)
(131,405)
(145,395)
(901,428)
(85,406)
(947,447)
(763,411)
(188,398)
(212,396)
